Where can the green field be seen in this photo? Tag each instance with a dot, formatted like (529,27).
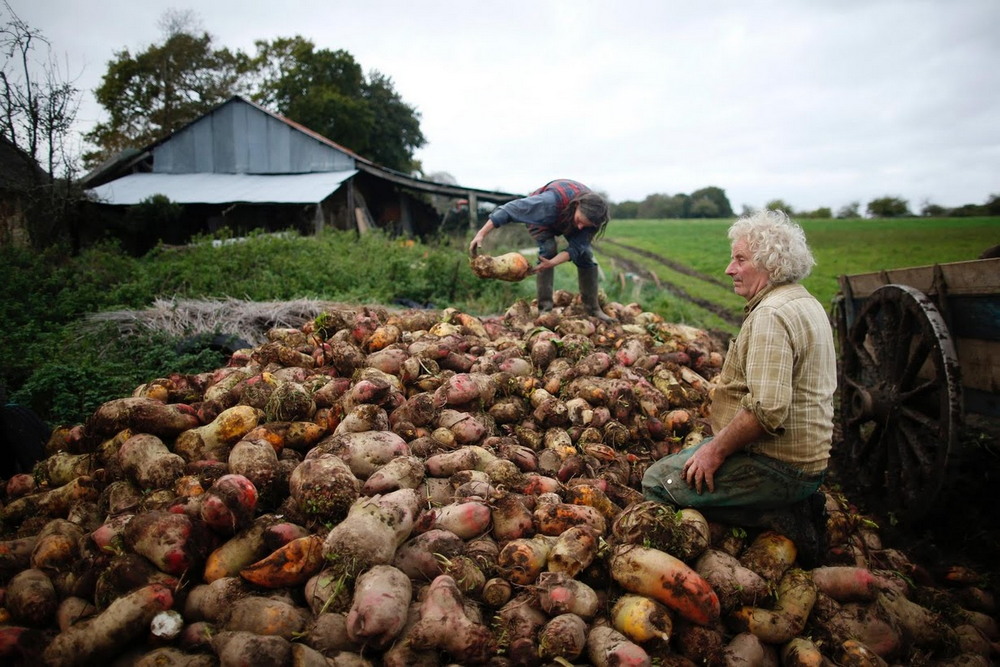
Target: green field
(840,247)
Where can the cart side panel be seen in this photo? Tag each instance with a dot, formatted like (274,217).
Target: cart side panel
(978,276)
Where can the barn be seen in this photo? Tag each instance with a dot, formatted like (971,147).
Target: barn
(243,168)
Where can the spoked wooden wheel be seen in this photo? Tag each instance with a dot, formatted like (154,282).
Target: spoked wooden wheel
(901,399)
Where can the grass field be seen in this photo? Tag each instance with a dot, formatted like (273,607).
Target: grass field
(840,247)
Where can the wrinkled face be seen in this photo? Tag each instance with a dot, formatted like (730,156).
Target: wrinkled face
(580,221)
(747,278)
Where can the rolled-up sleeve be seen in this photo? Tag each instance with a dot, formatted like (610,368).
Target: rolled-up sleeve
(769,368)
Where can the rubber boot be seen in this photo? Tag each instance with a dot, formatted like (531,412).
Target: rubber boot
(588,276)
(543,283)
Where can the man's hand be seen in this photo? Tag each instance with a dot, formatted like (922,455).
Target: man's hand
(699,470)
(543,264)
(474,246)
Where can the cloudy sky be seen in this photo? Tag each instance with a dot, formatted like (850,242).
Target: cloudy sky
(816,102)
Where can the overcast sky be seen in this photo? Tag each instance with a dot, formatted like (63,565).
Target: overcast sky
(816,102)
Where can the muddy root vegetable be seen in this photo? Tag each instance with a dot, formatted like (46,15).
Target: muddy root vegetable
(606,647)
(378,612)
(239,551)
(266,616)
(560,594)
(747,649)
(465,519)
(564,636)
(31,598)
(229,504)
(364,452)
(801,652)
(573,551)
(511,519)
(239,647)
(443,625)
(372,531)
(172,542)
(100,637)
(735,585)
(641,618)
(666,579)
(511,267)
(54,503)
(770,555)
(141,415)
(57,547)
(919,625)
(323,488)
(556,518)
(845,583)
(796,595)
(402,472)
(522,560)
(292,564)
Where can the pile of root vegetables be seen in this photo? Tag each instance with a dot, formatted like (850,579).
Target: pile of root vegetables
(433,488)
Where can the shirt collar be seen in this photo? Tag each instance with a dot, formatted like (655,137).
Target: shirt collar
(757,298)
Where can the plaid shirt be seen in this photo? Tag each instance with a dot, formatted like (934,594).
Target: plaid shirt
(782,367)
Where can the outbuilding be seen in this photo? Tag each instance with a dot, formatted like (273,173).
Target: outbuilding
(245,168)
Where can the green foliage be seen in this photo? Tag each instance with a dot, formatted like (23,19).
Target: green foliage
(327,92)
(149,95)
(888,207)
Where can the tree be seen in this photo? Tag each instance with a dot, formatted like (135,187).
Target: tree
(703,207)
(780,205)
(39,105)
(660,206)
(327,92)
(888,207)
(161,89)
(851,210)
(626,210)
(717,196)
(992,205)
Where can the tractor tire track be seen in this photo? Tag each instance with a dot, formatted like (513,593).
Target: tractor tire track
(676,266)
(722,312)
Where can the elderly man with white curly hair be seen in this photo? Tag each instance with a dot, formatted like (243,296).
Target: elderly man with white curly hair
(772,406)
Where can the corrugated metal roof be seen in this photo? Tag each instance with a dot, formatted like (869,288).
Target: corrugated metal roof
(206,188)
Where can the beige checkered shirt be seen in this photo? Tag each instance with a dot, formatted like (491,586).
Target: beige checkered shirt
(782,367)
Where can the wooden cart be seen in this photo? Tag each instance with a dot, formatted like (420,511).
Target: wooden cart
(919,352)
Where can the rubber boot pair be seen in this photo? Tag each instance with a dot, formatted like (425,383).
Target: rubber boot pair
(544,281)
(588,277)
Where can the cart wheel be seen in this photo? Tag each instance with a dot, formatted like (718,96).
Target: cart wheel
(901,399)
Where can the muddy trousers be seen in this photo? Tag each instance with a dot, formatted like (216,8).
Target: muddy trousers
(544,282)
(747,486)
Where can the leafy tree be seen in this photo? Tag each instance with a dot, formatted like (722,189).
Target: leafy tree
(659,206)
(851,210)
(888,207)
(822,213)
(703,207)
(328,92)
(717,196)
(992,205)
(155,92)
(779,205)
(931,210)
(626,210)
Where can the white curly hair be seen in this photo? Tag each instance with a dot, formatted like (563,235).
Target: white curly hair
(776,244)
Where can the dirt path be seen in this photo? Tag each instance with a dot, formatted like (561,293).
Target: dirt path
(722,312)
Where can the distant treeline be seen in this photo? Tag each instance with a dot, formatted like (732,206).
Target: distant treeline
(711,202)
